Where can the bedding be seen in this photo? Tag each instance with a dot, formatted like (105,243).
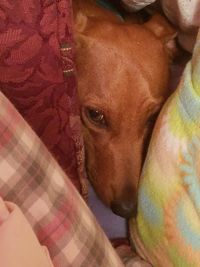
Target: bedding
(37,74)
(184,14)
(31,178)
(167,229)
(19,246)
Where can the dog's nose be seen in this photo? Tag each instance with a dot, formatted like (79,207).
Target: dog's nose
(126,209)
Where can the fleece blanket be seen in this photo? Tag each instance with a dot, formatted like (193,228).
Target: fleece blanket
(167,229)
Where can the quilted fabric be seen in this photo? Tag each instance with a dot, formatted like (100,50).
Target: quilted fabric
(37,74)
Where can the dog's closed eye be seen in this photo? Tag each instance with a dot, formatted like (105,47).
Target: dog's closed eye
(94,116)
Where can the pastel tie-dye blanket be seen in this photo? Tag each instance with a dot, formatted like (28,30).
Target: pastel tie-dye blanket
(167,229)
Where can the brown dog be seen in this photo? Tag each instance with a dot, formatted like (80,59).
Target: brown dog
(123,71)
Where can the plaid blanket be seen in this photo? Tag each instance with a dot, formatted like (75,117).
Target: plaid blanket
(31,178)
(19,248)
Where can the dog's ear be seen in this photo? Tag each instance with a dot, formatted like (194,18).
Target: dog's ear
(80,22)
(165,32)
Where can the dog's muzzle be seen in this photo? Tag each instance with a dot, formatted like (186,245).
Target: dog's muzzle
(123,209)
(126,205)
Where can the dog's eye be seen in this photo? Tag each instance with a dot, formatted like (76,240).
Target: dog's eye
(96,116)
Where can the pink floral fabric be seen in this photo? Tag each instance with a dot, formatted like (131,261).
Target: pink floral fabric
(37,75)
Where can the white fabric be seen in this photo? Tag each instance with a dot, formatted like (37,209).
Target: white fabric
(135,5)
(186,15)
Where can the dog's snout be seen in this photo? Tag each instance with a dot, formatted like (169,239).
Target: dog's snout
(124,208)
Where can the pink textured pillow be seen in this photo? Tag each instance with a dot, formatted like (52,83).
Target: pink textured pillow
(37,74)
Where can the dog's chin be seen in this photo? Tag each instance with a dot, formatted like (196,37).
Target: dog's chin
(124,210)
(100,193)
(125,206)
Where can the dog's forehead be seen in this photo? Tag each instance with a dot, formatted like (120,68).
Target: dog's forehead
(114,83)
(114,77)
(115,73)
(112,65)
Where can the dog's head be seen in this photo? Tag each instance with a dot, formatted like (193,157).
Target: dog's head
(122,84)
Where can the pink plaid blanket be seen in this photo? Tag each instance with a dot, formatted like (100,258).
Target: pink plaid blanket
(31,178)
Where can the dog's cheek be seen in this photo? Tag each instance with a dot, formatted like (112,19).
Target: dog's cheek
(99,170)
